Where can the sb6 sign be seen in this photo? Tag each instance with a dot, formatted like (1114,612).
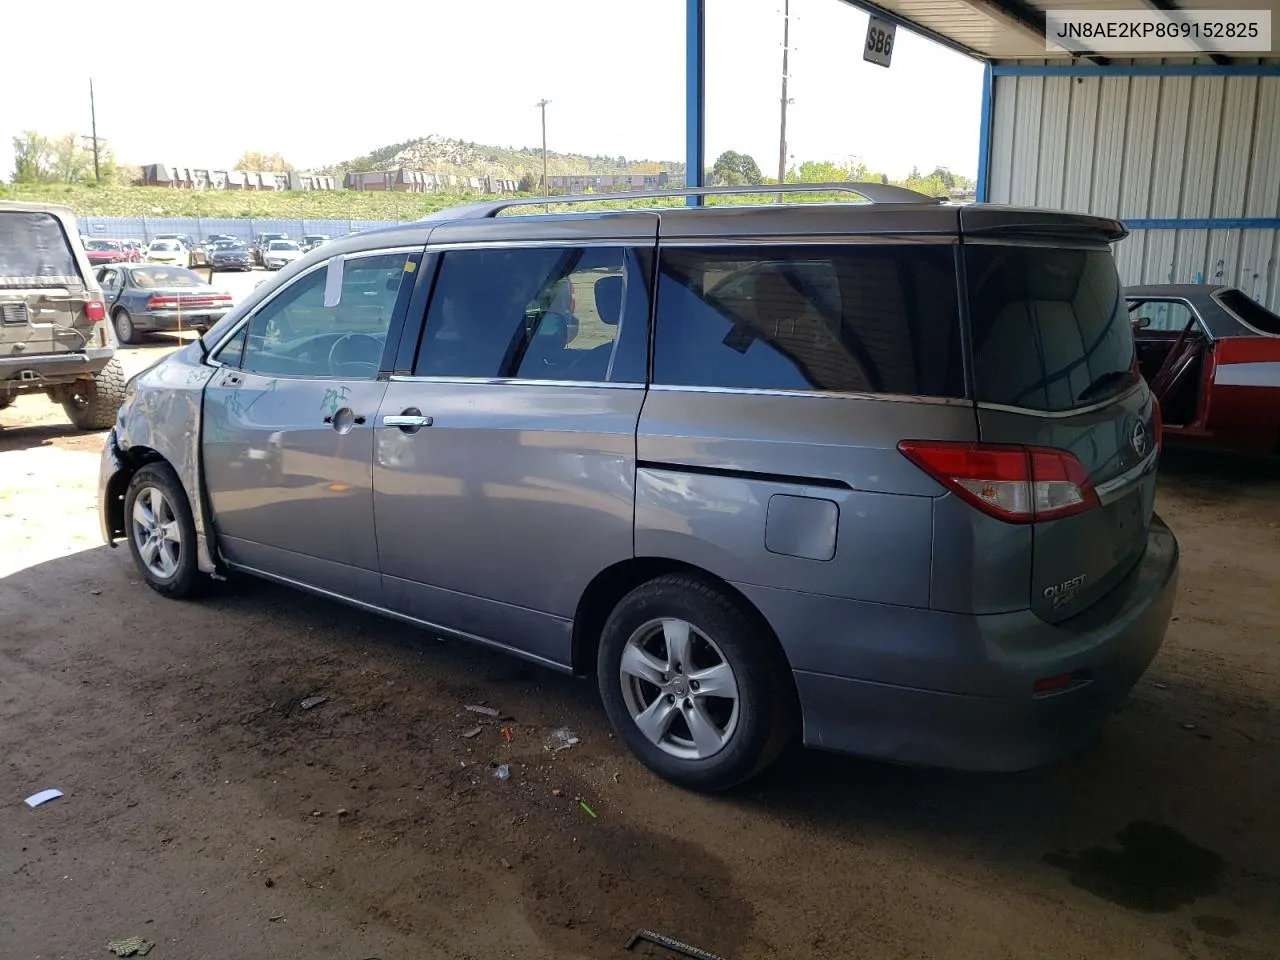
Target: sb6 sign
(879,47)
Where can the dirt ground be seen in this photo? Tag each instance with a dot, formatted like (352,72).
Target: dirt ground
(207,810)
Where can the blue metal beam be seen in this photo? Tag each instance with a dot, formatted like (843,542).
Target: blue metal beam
(1204,223)
(1139,70)
(695,103)
(984,133)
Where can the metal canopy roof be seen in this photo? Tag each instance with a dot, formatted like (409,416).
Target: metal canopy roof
(1014,29)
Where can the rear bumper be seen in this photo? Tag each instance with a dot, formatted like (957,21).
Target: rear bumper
(52,368)
(168,319)
(952,690)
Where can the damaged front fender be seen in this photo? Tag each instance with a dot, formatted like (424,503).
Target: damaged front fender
(161,420)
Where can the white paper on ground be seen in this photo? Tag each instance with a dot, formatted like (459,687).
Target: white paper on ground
(44,796)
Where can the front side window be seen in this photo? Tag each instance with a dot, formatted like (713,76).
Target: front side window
(297,335)
(848,318)
(563,313)
(1162,315)
(1050,326)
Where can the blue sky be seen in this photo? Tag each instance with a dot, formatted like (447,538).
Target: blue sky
(344,79)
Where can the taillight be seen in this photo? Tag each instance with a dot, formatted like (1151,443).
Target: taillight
(94,310)
(161,303)
(1016,484)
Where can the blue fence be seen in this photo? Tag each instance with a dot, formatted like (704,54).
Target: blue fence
(199,228)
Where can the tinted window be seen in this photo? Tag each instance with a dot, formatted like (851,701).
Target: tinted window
(564,313)
(1050,328)
(34,252)
(1250,311)
(860,319)
(295,334)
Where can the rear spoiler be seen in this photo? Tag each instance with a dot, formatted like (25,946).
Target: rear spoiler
(984,220)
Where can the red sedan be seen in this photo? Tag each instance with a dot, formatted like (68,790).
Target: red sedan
(1212,357)
(102,252)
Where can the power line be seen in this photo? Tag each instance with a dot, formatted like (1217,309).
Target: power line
(546,184)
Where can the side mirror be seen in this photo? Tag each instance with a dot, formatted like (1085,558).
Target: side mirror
(1140,323)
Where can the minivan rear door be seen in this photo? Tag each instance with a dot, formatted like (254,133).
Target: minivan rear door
(1054,366)
(41,290)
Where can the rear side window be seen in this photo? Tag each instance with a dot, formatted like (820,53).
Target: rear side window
(1250,311)
(34,251)
(1050,326)
(849,318)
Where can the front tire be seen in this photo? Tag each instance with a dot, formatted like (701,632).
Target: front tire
(94,405)
(162,532)
(694,683)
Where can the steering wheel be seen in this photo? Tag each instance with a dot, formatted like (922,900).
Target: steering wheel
(362,345)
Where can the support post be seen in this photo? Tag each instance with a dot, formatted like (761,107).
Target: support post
(984,133)
(695,67)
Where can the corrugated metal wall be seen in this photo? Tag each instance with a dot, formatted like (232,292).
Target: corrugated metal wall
(1151,147)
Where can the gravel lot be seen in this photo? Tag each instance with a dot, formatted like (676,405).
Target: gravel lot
(207,810)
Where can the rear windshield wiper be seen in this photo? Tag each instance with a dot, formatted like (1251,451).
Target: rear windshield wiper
(1107,380)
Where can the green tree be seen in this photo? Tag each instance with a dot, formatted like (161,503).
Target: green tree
(945,175)
(266,162)
(527,183)
(734,169)
(32,158)
(72,162)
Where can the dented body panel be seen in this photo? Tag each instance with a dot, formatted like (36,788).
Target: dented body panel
(160,418)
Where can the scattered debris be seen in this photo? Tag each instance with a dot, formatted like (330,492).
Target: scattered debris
(341,812)
(278,916)
(503,772)
(1159,686)
(557,792)
(310,702)
(590,812)
(486,711)
(44,796)
(615,779)
(1188,725)
(95,593)
(473,732)
(131,947)
(268,882)
(562,739)
(675,946)
(506,733)
(316,813)
(505,863)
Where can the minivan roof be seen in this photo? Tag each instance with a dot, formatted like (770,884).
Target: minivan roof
(893,211)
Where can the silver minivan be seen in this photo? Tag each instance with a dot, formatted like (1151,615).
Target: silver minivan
(880,475)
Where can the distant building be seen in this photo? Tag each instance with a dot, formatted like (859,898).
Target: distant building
(613,183)
(404,180)
(207,178)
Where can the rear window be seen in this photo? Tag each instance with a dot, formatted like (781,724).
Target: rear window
(34,251)
(847,318)
(1050,327)
(1249,311)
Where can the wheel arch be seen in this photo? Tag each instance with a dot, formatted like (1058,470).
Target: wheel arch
(131,461)
(613,583)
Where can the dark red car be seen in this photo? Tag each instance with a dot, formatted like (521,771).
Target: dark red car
(101,252)
(1211,355)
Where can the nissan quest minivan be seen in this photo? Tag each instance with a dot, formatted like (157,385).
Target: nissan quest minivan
(880,475)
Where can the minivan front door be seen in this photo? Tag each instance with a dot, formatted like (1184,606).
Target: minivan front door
(504,473)
(288,430)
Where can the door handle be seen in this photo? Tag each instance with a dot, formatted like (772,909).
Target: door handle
(405,420)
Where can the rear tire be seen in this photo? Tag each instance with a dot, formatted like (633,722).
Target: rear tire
(126,332)
(95,405)
(162,532)
(667,645)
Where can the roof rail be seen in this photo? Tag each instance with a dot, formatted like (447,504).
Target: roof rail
(873,192)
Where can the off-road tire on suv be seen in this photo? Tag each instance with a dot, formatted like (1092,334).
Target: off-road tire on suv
(5,401)
(94,406)
(174,511)
(767,711)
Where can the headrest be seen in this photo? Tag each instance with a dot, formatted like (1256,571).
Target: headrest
(608,291)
